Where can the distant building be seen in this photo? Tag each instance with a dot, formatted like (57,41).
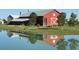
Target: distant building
(18,20)
(44,18)
(1,22)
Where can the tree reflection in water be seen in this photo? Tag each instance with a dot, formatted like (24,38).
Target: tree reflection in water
(12,34)
(0,30)
(61,45)
(34,37)
(9,34)
(73,43)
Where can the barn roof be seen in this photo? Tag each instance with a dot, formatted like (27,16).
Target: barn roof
(39,13)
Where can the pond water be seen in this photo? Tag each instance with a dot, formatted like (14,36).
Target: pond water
(18,41)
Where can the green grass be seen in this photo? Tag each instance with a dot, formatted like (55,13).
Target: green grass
(41,30)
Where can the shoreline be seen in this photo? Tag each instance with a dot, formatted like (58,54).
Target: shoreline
(62,30)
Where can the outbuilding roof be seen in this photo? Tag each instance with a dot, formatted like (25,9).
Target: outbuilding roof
(21,20)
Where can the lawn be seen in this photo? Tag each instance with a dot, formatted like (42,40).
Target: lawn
(41,30)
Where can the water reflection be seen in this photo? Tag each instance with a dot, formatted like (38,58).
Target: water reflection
(0,30)
(62,45)
(11,34)
(52,39)
(73,43)
(56,41)
(33,38)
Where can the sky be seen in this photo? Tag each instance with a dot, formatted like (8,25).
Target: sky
(5,12)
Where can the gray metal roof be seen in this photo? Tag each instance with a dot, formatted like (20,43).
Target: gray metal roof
(39,13)
(18,19)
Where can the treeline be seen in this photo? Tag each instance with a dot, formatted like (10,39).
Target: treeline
(72,21)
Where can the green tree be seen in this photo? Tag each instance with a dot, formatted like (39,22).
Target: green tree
(72,20)
(33,18)
(73,43)
(76,22)
(62,19)
(4,21)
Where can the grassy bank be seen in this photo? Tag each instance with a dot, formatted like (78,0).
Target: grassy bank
(41,30)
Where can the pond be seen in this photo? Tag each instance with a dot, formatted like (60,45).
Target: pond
(17,41)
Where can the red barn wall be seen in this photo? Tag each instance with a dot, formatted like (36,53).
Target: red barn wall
(51,18)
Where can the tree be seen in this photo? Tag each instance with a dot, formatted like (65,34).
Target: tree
(62,19)
(76,22)
(72,20)
(33,18)
(4,21)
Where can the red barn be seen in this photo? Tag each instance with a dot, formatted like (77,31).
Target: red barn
(51,18)
(48,18)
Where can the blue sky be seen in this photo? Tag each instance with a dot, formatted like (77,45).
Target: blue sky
(5,12)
